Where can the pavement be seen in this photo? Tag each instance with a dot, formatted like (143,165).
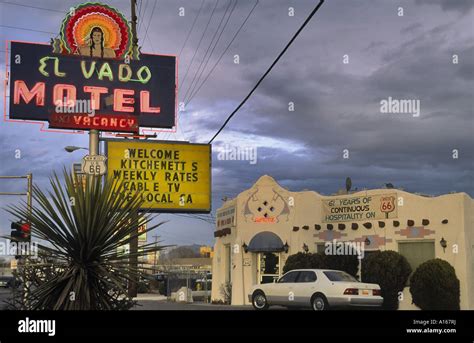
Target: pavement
(160,302)
(155,302)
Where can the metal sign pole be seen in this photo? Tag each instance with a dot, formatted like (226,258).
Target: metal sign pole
(133,287)
(93,142)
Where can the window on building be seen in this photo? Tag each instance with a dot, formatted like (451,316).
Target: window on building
(417,252)
(320,247)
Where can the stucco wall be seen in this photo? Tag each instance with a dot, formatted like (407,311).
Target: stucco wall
(295,225)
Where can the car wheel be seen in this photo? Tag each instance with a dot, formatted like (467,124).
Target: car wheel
(259,301)
(319,303)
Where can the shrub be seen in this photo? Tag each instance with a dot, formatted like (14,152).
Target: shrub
(142,287)
(347,263)
(162,289)
(297,261)
(390,271)
(434,286)
(226,292)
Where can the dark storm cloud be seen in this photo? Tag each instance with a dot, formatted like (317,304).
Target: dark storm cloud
(450,5)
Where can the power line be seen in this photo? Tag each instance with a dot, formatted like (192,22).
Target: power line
(268,70)
(140,8)
(140,23)
(199,44)
(223,53)
(194,55)
(29,6)
(205,60)
(191,29)
(25,29)
(151,17)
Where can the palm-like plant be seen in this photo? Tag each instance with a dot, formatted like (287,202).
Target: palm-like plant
(80,230)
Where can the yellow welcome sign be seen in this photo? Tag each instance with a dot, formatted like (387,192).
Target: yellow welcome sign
(171,177)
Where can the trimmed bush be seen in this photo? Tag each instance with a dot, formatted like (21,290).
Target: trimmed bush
(297,261)
(347,263)
(434,286)
(390,270)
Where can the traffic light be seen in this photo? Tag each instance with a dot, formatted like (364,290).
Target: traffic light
(21,232)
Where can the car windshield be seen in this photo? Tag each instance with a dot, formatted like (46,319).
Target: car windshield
(339,276)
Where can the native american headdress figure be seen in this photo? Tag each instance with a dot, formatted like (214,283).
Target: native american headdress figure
(97,30)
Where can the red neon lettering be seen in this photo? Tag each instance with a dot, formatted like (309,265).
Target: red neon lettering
(21,90)
(58,92)
(145,103)
(95,95)
(120,100)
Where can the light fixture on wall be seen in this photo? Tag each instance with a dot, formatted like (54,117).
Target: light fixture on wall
(305,247)
(286,247)
(443,243)
(245,247)
(367,241)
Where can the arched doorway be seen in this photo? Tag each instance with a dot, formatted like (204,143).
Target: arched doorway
(268,247)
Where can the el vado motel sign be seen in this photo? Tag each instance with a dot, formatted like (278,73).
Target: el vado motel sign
(92,77)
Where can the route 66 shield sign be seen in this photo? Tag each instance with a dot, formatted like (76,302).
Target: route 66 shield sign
(387,204)
(94,165)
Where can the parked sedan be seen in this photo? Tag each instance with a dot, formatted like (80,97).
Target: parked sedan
(318,289)
(6,281)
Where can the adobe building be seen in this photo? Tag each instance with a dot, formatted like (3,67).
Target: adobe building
(262,226)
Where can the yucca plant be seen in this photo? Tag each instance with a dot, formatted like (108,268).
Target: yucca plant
(79,230)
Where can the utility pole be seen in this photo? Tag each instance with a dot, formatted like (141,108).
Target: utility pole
(133,287)
(154,254)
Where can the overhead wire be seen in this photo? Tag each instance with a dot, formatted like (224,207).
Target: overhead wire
(222,54)
(207,55)
(268,70)
(191,29)
(199,45)
(193,57)
(30,6)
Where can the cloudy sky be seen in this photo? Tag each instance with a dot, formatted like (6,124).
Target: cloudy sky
(336,104)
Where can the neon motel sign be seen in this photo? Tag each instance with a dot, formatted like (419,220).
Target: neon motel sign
(97,82)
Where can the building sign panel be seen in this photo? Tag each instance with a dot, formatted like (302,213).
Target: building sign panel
(369,207)
(171,177)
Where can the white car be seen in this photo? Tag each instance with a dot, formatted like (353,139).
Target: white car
(319,289)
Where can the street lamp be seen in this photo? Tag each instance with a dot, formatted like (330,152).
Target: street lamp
(71,148)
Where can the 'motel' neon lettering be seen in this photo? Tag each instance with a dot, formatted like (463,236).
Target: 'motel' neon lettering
(142,91)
